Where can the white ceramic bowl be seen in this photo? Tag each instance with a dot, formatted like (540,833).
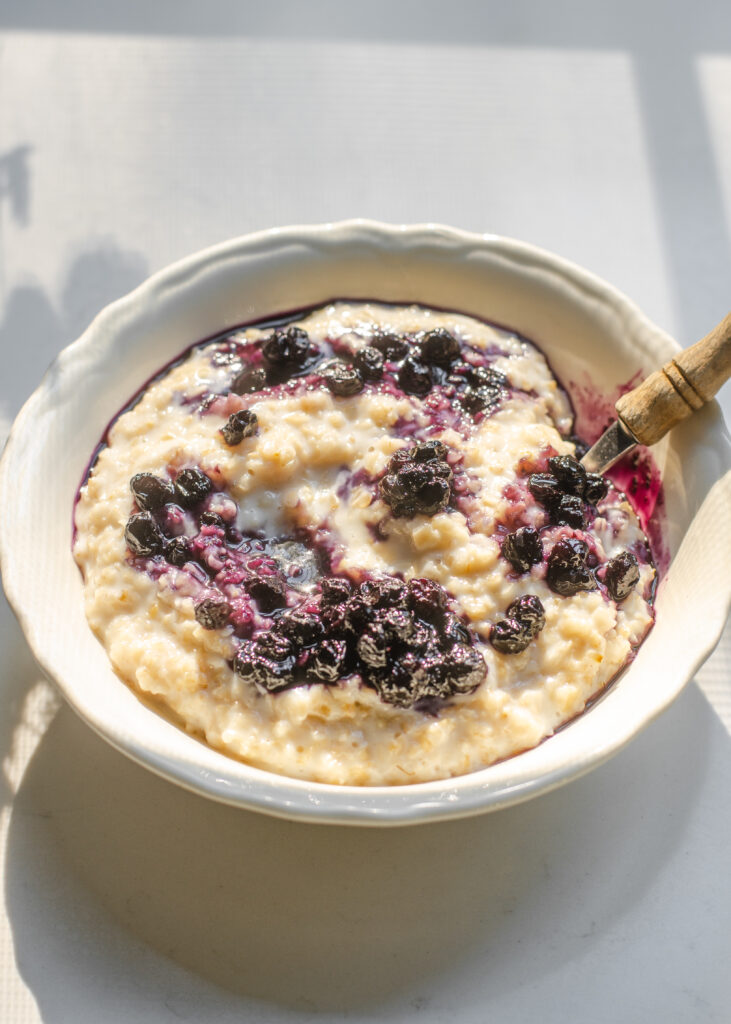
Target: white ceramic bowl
(580,323)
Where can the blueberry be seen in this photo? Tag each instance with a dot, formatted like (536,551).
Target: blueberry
(439,347)
(427,451)
(464,668)
(509,636)
(335,590)
(453,631)
(529,612)
(368,362)
(342,380)
(392,346)
(397,683)
(143,535)
(570,474)
(414,377)
(269,592)
(544,489)
(302,628)
(252,379)
(416,489)
(177,551)
(384,592)
(596,488)
(266,673)
(212,519)
(191,487)
(286,348)
(428,600)
(621,575)
(150,491)
(213,613)
(523,548)
(241,424)
(486,376)
(357,614)
(373,648)
(566,571)
(476,400)
(569,511)
(274,646)
(395,623)
(327,662)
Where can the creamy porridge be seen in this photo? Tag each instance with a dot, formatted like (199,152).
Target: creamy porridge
(358,548)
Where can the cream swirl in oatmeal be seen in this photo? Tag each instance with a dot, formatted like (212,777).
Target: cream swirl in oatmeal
(358,548)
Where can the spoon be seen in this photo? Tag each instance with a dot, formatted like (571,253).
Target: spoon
(665,398)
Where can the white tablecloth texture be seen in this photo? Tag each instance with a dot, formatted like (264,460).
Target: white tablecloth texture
(133,134)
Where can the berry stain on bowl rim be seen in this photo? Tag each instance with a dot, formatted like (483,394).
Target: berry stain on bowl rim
(355,545)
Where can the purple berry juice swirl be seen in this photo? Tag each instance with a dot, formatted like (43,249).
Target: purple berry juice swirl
(359,548)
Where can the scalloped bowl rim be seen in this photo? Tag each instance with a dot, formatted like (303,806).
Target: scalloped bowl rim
(205,771)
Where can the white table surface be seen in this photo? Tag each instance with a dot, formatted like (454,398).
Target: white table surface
(132,134)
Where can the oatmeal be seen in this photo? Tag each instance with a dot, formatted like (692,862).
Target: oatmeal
(358,548)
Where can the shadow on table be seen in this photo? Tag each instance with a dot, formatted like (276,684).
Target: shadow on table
(328,919)
(664,45)
(34,328)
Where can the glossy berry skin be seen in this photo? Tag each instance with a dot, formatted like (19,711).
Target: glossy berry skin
(269,592)
(621,576)
(143,536)
(417,489)
(486,376)
(335,590)
(368,362)
(252,379)
(453,631)
(529,612)
(566,571)
(213,613)
(418,480)
(464,668)
(191,487)
(239,425)
(212,519)
(393,347)
(288,348)
(509,636)
(151,492)
(596,488)
(425,451)
(439,348)
(523,548)
(273,645)
(267,674)
(327,661)
(414,377)
(569,511)
(544,488)
(388,592)
(177,551)
(427,600)
(479,399)
(301,628)
(570,474)
(342,380)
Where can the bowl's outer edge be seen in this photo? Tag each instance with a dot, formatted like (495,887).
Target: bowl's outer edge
(278,795)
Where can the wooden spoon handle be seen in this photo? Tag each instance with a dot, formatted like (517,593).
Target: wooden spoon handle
(683,385)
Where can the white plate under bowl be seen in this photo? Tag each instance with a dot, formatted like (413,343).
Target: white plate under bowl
(580,323)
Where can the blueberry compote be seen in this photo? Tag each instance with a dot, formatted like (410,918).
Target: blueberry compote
(359,517)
